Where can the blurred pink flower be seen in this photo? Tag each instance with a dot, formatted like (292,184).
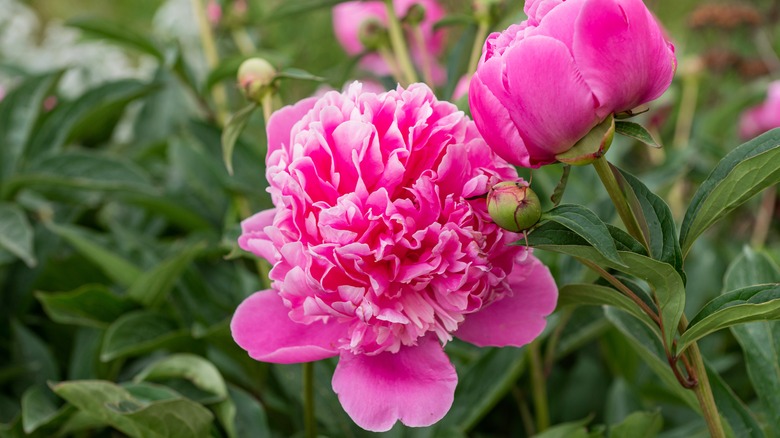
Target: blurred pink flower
(350,17)
(541,85)
(763,117)
(381,254)
(213,12)
(462,87)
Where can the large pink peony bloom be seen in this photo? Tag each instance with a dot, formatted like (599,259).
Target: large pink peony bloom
(541,85)
(380,255)
(763,117)
(350,17)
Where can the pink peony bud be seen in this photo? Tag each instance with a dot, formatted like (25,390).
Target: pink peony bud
(213,12)
(763,117)
(543,84)
(514,206)
(255,78)
(349,19)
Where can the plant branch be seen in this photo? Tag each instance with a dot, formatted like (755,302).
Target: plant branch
(309,421)
(604,171)
(476,48)
(538,387)
(398,43)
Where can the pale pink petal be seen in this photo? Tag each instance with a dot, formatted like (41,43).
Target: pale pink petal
(518,319)
(262,327)
(549,102)
(415,385)
(622,53)
(281,122)
(254,238)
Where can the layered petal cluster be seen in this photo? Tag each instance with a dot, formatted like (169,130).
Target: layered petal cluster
(349,18)
(762,117)
(544,83)
(382,252)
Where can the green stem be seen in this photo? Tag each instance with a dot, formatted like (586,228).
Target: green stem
(476,49)
(703,390)
(763,218)
(539,388)
(309,421)
(400,48)
(618,199)
(218,93)
(425,54)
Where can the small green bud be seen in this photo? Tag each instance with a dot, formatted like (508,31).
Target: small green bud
(513,206)
(256,77)
(415,15)
(373,35)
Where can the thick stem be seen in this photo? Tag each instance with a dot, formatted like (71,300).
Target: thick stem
(398,43)
(703,389)
(425,55)
(621,205)
(309,421)
(476,49)
(391,62)
(539,388)
(764,218)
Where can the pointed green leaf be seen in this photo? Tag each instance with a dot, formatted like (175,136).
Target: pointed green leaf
(638,425)
(91,306)
(166,416)
(666,283)
(251,418)
(561,186)
(296,73)
(16,233)
(116,267)
(753,303)
(19,111)
(588,226)
(738,417)
(202,373)
(760,341)
(232,131)
(41,410)
(745,171)
(596,295)
(657,218)
(297,8)
(137,333)
(29,349)
(151,288)
(636,131)
(116,32)
(574,429)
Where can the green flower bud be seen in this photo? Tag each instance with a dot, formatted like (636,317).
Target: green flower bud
(415,15)
(513,206)
(256,77)
(373,35)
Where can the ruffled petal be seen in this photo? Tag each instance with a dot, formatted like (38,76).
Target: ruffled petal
(416,385)
(262,327)
(254,238)
(515,320)
(622,53)
(281,122)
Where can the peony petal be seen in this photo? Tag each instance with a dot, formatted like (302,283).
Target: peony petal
(262,328)
(550,103)
(622,54)
(281,122)
(253,237)
(415,385)
(515,320)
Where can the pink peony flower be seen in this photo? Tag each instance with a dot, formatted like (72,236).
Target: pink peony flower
(763,117)
(350,17)
(541,85)
(381,254)
(462,87)
(213,12)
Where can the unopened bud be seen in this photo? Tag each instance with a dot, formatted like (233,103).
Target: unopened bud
(513,206)
(373,35)
(256,77)
(415,15)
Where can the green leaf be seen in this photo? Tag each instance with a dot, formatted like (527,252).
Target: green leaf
(202,373)
(19,111)
(151,288)
(296,73)
(116,32)
(638,425)
(551,233)
(297,8)
(760,341)
(251,419)
(588,226)
(39,409)
(649,348)
(561,186)
(34,353)
(636,131)
(16,233)
(116,267)
(575,429)
(97,108)
(753,303)
(232,131)
(483,385)
(137,333)
(657,219)
(85,171)
(596,295)
(169,417)
(90,305)
(665,282)
(745,171)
